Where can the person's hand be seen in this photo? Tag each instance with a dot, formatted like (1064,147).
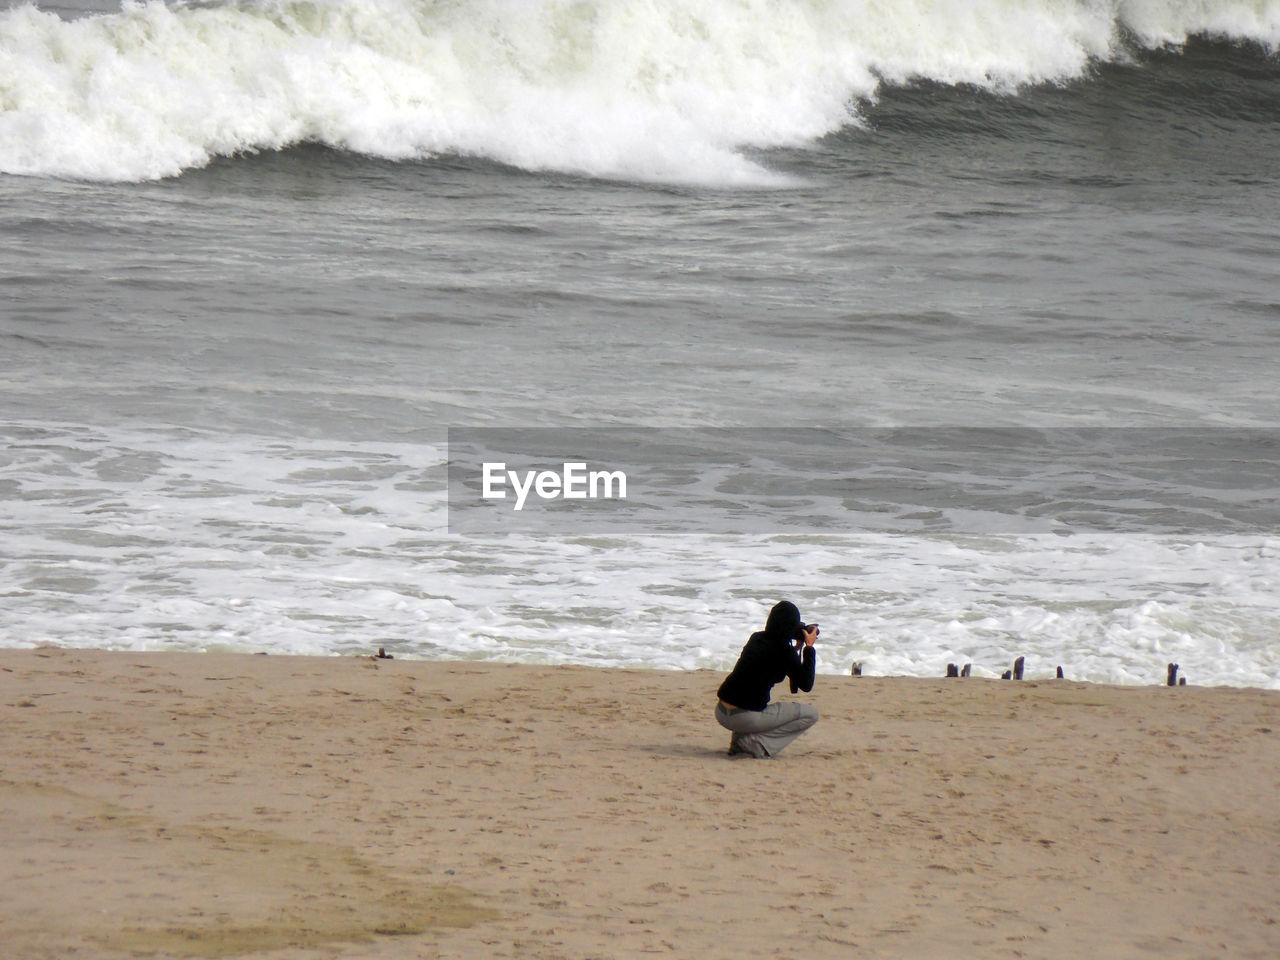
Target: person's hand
(810,634)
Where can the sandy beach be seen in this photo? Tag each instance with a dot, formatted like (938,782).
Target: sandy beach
(211,805)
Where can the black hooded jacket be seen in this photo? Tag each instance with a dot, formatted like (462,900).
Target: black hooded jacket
(768,658)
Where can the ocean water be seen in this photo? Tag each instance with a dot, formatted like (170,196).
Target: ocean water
(259,259)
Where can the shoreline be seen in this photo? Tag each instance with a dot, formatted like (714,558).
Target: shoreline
(232,804)
(984,674)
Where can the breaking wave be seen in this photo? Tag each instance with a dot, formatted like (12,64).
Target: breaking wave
(662,90)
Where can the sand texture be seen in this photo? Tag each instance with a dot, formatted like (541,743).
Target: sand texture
(218,805)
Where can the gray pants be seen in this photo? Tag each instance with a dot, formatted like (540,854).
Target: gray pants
(766,732)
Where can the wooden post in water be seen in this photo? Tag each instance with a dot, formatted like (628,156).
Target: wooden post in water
(1017,667)
(953,670)
(1172,676)
(964,671)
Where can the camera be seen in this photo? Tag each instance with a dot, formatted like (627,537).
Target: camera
(805,628)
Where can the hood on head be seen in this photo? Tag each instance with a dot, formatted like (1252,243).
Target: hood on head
(784,620)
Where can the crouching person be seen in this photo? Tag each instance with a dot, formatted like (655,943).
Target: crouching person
(783,650)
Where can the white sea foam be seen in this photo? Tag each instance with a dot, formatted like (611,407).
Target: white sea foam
(179,539)
(670,90)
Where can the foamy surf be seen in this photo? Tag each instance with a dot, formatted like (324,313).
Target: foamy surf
(181,539)
(667,91)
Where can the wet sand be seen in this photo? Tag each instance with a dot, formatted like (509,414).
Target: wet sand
(211,805)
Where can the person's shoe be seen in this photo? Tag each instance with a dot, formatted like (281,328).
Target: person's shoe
(747,745)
